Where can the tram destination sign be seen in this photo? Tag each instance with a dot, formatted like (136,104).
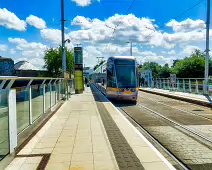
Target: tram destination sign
(78,57)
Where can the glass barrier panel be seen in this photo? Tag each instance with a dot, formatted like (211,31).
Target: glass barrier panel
(58,92)
(22,106)
(4,124)
(53,94)
(47,97)
(37,101)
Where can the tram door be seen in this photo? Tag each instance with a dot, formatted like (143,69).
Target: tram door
(111,81)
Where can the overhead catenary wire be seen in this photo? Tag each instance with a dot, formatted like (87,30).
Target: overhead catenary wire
(178,16)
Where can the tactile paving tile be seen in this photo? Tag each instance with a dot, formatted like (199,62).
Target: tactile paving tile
(125,156)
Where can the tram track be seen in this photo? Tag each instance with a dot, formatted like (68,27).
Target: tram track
(154,139)
(181,157)
(186,148)
(199,108)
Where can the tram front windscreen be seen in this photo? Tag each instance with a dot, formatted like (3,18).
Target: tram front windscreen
(126,74)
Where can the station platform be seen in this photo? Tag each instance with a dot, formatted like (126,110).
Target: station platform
(88,133)
(204,100)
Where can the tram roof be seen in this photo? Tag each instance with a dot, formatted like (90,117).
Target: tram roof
(123,57)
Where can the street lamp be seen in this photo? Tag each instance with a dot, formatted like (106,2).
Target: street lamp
(63,37)
(130,47)
(67,40)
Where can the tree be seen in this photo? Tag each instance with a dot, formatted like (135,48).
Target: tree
(165,71)
(155,67)
(191,67)
(53,61)
(175,62)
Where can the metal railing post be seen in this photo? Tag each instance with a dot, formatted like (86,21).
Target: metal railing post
(178,85)
(190,90)
(50,89)
(148,84)
(183,85)
(12,120)
(59,89)
(55,87)
(168,84)
(164,84)
(197,88)
(30,105)
(44,98)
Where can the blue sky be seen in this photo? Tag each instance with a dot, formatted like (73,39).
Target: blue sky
(25,37)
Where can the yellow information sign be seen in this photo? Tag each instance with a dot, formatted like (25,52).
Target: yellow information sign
(78,79)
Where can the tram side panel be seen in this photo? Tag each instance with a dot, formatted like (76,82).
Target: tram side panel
(111,91)
(100,81)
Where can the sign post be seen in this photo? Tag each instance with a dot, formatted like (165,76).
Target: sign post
(78,70)
(173,80)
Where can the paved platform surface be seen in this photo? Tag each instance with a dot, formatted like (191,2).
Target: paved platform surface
(195,98)
(77,137)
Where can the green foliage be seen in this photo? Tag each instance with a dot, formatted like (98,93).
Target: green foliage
(157,70)
(53,61)
(191,67)
(155,67)
(175,62)
(165,71)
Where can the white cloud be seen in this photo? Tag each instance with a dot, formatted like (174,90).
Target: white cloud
(83,2)
(32,51)
(22,44)
(17,40)
(148,53)
(187,50)
(11,21)
(156,58)
(89,56)
(3,47)
(137,30)
(141,31)
(53,35)
(36,22)
(182,37)
(186,25)
(12,51)
(172,52)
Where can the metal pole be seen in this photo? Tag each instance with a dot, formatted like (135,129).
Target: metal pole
(63,38)
(207,47)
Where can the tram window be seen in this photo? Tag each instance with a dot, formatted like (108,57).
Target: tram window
(124,62)
(111,81)
(126,76)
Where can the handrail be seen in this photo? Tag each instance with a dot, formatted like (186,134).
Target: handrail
(28,78)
